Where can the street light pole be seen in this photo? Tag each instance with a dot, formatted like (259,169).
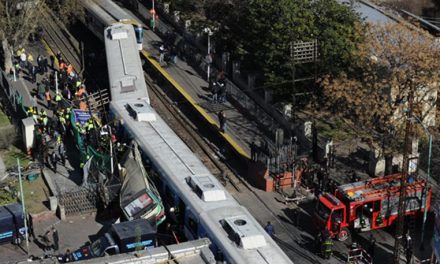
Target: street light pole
(208,57)
(209,54)
(154,15)
(23,206)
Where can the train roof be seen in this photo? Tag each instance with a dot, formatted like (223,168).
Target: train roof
(242,236)
(115,11)
(376,188)
(98,13)
(172,157)
(126,77)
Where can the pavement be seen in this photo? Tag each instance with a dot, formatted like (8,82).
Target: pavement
(73,234)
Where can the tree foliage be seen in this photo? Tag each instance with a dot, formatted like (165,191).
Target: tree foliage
(19,19)
(394,63)
(339,30)
(262,31)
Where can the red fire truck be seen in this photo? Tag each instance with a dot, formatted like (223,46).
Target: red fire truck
(368,205)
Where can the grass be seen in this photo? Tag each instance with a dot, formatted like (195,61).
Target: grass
(35,194)
(4,119)
(11,154)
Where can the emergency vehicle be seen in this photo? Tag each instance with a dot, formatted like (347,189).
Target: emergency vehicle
(369,204)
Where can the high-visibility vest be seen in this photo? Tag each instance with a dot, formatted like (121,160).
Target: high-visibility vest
(62,120)
(90,126)
(45,120)
(57,97)
(30,58)
(78,84)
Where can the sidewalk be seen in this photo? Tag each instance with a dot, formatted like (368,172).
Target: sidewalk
(239,127)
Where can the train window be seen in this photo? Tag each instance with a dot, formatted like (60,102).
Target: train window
(169,196)
(193,226)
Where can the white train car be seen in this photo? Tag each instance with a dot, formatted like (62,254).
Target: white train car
(196,197)
(126,77)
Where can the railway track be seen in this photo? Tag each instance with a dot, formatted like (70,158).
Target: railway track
(58,39)
(188,133)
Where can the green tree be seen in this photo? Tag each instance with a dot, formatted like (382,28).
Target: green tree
(269,29)
(339,31)
(262,31)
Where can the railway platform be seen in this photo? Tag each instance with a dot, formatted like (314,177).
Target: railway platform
(241,130)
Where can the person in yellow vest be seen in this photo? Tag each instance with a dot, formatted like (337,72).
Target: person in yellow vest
(67,117)
(58,99)
(89,127)
(62,124)
(81,131)
(30,111)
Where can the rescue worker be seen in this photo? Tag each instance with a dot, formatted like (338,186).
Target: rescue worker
(53,161)
(58,99)
(78,84)
(81,131)
(61,151)
(89,128)
(67,116)
(327,248)
(62,123)
(30,112)
(30,61)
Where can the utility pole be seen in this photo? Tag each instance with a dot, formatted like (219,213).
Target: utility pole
(403,182)
(24,207)
(292,57)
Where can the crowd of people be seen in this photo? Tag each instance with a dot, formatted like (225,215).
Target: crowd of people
(52,128)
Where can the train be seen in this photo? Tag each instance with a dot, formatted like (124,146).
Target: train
(193,196)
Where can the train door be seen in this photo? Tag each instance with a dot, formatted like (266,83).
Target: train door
(191,225)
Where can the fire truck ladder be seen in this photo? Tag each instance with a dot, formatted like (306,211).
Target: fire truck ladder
(358,256)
